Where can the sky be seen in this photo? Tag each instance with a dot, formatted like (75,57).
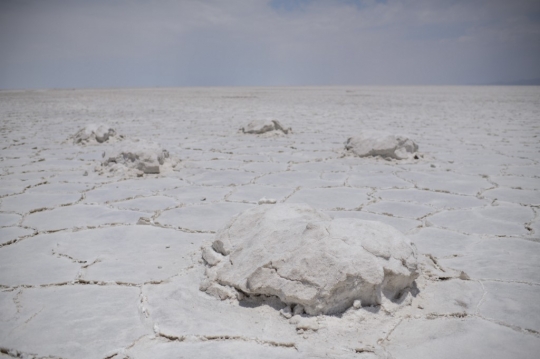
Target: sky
(163,43)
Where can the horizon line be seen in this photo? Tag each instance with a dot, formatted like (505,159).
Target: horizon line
(70,88)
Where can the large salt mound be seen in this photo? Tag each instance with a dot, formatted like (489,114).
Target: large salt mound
(95,133)
(263,126)
(137,157)
(377,143)
(306,258)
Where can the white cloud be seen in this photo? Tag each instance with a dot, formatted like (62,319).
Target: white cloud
(238,42)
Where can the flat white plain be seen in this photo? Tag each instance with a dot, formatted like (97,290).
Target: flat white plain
(79,278)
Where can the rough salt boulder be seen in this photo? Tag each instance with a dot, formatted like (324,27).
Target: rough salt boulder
(377,143)
(137,157)
(262,126)
(95,133)
(307,259)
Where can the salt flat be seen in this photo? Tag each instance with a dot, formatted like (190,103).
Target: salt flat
(82,276)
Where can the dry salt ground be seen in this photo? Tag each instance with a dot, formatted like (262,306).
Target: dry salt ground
(97,265)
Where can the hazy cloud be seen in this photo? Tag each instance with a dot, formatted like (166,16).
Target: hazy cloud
(99,43)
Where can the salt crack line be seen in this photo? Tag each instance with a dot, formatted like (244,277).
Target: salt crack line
(516,328)
(79,282)
(14,353)
(481,301)
(291,194)
(181,229)
(16,240)
(62,255)
(507,281)
(225,337)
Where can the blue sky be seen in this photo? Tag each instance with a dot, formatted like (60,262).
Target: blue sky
(133,43)
(303,5)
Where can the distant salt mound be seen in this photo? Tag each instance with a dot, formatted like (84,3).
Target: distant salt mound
(136,157)
(307,259)
(264,126)
(95,133)
(377,143)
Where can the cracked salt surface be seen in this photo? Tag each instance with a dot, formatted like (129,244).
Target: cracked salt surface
(79,277)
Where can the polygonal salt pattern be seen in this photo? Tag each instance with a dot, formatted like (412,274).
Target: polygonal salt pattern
(521,196)
(24,180)
(10,234)
(147,204)
(377,180)
(54,165)
(179,308)
(321,167)
(60,188)
(512,303)
(32,261)
(447,182)
(134,254)
(157,348)
(502,219)
(222,178)
(516,182)
(400,209)
(81,314)
(527,171)
(95,266)
(199,194)
(452,297)
(441,243)
(111,193)
(403,224)
(216,164)
(265,167)
(9,191)
(9,219)
(534,229)
(460,338)
(435,199)
(303,179)
(331,198)
(78,216)
(152,185)
(507,259)
(486,170)
(253,193)
(201,218)
(30,202)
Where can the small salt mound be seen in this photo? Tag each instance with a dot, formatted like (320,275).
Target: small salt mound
(95,133)
(377,143)
(262,126)
(137,157)
(307,259)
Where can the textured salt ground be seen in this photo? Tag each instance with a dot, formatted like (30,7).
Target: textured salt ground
(101,285)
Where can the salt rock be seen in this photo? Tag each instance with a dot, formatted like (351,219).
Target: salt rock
(377,143)
(306,258)
(95,133)
(138,156)
(262,126)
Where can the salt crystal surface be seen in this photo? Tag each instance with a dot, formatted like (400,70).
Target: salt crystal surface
(305,258)
(94,134)
(79,277)
(384,144)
